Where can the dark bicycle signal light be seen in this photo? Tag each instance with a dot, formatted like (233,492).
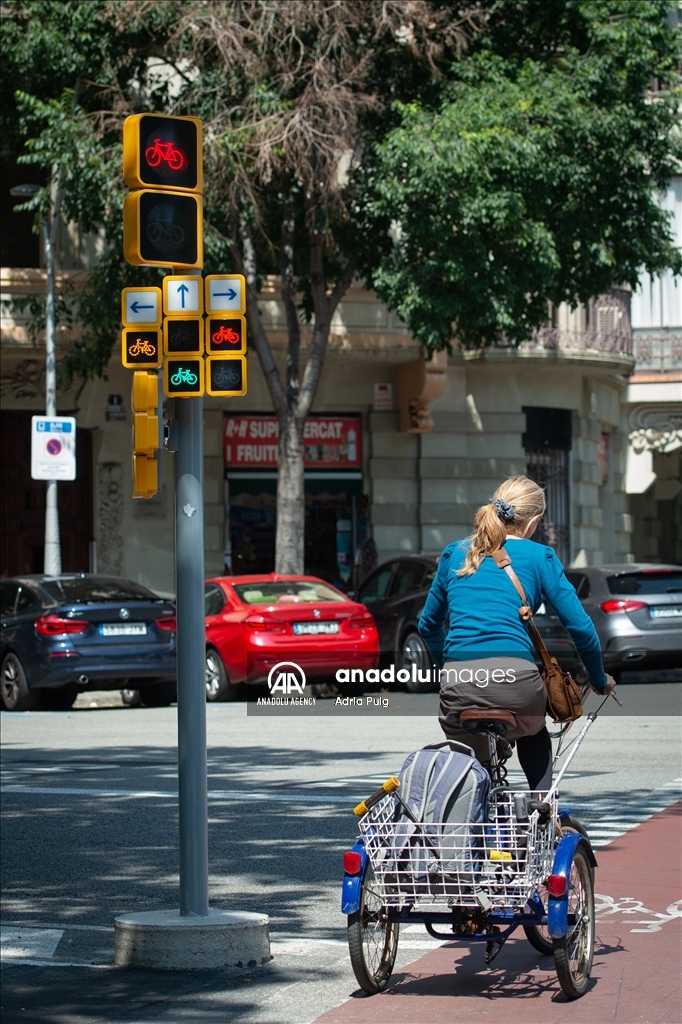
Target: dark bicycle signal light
(162,229)
(226,376)
(183,335)
(163,152)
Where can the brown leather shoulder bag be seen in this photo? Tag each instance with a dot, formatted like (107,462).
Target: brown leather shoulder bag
(564,696)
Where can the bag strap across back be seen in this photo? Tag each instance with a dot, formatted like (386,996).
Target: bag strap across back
(503,560)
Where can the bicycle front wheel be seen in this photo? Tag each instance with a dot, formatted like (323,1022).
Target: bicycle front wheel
(372,939)
(573,953)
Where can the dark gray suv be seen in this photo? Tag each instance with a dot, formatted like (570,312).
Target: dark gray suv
(637,612)
(395,593)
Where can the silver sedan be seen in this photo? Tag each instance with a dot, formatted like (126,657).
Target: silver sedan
(637,612)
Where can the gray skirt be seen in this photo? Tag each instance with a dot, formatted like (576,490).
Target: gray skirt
(510,683)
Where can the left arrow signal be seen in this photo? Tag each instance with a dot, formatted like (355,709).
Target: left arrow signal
(136,307)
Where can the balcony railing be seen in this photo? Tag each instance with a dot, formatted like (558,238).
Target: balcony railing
(605,328)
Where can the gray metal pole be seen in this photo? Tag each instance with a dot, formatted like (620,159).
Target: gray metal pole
(189,553)
(53,555)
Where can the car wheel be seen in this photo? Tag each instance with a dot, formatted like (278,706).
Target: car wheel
(131,698)
(415,654)
(158,695)
(16,693)
(58,700)
(218,686)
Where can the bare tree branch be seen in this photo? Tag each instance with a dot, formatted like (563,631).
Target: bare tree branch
(256,329)
(289,298)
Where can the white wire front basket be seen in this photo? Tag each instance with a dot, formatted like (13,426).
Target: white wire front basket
(499,863)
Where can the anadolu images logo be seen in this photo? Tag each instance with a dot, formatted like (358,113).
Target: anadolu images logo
(286,678)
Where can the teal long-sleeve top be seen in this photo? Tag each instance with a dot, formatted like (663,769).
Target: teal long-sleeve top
(483,609)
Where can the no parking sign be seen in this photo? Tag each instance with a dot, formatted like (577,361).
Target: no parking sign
(53,447)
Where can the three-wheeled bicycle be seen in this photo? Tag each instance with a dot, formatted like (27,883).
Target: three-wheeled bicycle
(529,864)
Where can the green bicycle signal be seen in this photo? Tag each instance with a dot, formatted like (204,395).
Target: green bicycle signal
(182,376)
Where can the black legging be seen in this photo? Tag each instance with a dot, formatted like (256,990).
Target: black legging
(535,755)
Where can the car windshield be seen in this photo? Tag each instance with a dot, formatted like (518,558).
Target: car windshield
(84,590)
(281,592)
(654,581)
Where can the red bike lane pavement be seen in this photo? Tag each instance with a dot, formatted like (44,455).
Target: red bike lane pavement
(635,973)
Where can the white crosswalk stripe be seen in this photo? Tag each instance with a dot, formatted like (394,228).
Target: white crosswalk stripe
(604,827)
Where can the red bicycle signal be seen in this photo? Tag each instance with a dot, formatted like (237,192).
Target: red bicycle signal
(165,152)
(225,334)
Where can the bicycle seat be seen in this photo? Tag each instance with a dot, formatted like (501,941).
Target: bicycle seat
(495,720)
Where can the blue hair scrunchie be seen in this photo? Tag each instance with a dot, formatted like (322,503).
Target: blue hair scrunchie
(505,511)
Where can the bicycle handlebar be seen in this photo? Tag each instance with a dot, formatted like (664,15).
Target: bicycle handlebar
(388,787)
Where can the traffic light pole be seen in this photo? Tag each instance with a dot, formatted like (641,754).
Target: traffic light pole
(162,224)
(189,547)
(189,554)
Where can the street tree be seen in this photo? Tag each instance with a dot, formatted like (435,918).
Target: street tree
(471,163)
(288,93)
(533,178)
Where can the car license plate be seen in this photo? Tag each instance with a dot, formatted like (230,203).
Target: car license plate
(123,629)
(671,611)
(315,628)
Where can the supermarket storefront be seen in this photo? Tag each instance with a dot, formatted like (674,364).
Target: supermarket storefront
(336,512)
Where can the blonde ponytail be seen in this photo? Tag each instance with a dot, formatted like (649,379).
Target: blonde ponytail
(511,508)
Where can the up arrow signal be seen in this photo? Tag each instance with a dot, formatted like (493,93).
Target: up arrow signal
(230,294)
(182,288)
(136,306)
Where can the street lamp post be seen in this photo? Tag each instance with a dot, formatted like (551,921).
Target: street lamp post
(53,555)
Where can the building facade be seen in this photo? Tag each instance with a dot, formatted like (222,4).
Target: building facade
(401,453)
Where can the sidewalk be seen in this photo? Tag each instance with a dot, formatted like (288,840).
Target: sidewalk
(636,970)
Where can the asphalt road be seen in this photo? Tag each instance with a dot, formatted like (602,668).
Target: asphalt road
(89,831)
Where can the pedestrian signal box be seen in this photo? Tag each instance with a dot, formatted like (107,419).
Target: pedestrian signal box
(183,378)
(163,152)
(225,335)
(184,335)
(146,439)
(163,229)
(141,348)
(226,376)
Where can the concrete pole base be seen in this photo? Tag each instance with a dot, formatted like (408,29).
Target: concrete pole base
(165,940)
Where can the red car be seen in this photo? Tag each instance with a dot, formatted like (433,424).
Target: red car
(255,622)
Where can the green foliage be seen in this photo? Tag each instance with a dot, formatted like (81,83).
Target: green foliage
(61,138)
(99,311)
(534,178)
(486,182)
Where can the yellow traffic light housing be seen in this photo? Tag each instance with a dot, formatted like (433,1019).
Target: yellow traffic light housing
(162,229)
(145,476)
(146,440)
(226,334)
(141,348)
(226,376)
(163,152)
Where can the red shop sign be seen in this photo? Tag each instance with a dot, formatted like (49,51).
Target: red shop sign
(330,442)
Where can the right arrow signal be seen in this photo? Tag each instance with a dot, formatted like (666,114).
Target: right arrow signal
(225,293)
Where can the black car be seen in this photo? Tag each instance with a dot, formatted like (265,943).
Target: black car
(395,593)
(65,634)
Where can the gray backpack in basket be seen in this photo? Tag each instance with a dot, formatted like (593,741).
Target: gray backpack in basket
(446,789)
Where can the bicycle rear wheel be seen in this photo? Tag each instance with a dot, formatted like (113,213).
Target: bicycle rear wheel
(537,934)
(573,953)
(372,939)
